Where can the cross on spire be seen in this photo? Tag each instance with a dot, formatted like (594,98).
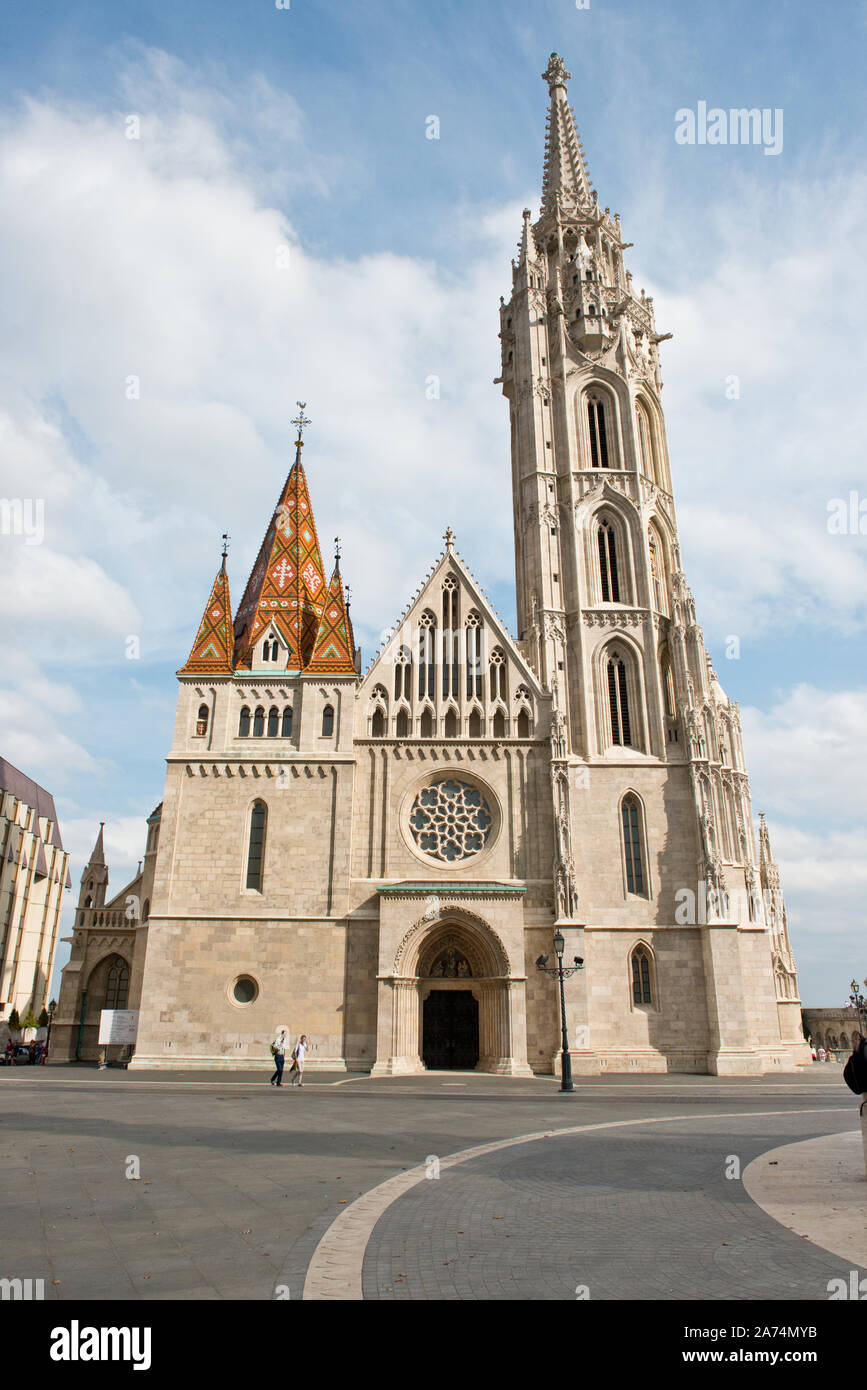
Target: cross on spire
(226,539)
(449,539)
(337,552)
(300,421)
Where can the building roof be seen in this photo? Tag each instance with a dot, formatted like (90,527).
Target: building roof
(13,780)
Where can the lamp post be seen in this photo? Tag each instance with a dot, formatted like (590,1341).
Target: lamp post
(562,971)
(858,1001)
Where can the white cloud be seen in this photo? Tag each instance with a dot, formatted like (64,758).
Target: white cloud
(807,755)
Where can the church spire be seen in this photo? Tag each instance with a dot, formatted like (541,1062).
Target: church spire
(287,586)
(334,650)
(212,649)
(94,879)
(566,182)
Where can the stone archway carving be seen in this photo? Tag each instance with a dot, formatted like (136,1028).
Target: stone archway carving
(486,952)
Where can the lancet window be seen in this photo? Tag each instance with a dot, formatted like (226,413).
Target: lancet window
(475,633)
(598,431)
(630,815)
(256,846)
(451,631)
(609,574)
(642,991)
(427,636)
(618,701)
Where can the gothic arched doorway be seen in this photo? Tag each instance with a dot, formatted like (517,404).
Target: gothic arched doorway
(450,1001)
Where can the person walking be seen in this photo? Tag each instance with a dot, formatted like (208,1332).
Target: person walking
(278,1052)
(855,1076)
(299,1052)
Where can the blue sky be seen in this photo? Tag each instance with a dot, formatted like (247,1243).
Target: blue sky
(306,128)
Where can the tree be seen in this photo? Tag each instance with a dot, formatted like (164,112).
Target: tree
(43,1018)
(29,1020)
(13,1022)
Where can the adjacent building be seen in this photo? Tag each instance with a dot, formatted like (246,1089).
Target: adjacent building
(34,870)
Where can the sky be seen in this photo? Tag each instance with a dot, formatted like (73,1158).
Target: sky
(213,210)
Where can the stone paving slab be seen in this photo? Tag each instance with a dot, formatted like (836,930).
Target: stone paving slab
(642,1215)
(241,1181)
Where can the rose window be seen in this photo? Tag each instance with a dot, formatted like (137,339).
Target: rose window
(450,820)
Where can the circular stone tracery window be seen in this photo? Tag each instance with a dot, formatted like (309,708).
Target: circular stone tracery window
(450,820)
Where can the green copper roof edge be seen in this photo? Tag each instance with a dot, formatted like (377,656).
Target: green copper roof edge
(450,888)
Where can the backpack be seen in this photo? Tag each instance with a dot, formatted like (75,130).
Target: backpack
(855,1072)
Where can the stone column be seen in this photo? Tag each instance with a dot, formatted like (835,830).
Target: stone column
(398,1032)
(502,1028)
(730,1051)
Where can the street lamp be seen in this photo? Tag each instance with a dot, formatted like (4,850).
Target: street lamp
(562,972)
(857,1000)
(51,1008)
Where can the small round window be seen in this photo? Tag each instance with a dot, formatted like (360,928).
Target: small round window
(244,990)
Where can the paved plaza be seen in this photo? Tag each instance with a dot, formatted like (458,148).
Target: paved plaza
(443,1186)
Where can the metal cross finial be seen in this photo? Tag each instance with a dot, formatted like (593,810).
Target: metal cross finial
(301,419)
(449,539)
(337,552)
(226,539)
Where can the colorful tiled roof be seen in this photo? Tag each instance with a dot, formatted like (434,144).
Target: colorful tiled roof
(213,648)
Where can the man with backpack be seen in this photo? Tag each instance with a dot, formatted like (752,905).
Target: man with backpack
(855,1076)
(278,1052)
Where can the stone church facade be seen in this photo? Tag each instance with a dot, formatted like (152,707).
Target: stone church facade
(378,860)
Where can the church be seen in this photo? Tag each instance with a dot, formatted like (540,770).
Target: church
(378,859)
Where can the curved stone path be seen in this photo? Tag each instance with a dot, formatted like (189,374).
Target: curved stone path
(626,1209)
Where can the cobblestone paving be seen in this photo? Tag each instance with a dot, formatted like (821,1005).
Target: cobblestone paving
(640,1214)
(239,1181)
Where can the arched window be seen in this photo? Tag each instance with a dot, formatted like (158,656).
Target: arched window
(117,984)
(258,722)
(658,577)
(270,649)
(244,723)
(202,720)
(451,724)
(427,724)
(256,848)
(609,577)
(523,724)
(499,724)
(377,724)
(641,978)
(402,673)
(497,674)
(287,722)
(427,636)
(630,815)
(451,636)
(598,432)
(667,683)
(645,444)
(273,722)
(328,721)
(476,728)
(475,641)
(401,727)
(618,701)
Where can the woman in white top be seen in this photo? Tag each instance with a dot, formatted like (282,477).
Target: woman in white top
(299,1052)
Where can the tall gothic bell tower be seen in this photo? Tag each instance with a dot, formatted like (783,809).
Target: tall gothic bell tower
(655,848)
